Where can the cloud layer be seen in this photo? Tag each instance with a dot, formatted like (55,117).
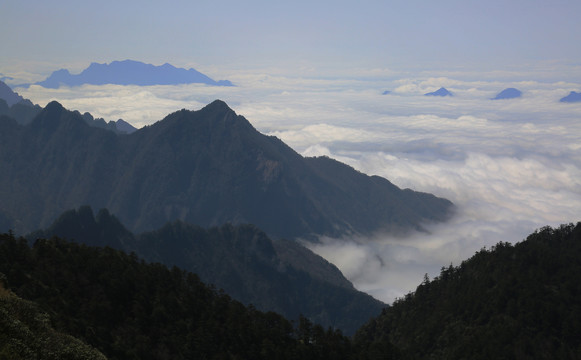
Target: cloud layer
(510,166)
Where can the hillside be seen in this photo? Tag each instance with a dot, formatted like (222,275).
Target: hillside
(280,276)
(508,302)
(129,309)
(206,167)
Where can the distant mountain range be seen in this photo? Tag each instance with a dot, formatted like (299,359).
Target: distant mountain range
(281,276)
(440,92)
(508,93)
(129,72)
(206,167)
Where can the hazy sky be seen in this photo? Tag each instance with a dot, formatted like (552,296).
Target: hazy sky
(312,73)
(291,35)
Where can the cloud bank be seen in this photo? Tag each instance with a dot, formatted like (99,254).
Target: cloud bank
(510,166)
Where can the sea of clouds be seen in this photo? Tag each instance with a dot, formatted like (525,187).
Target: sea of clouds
(510,166)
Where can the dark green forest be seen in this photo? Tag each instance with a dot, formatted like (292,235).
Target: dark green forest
(129,309)
(517,301)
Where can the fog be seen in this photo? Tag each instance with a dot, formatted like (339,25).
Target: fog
(510,166)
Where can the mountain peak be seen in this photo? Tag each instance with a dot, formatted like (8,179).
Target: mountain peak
(440,92)
(572,97)
(508,93)
(217,105)
(53,106)
(8,95)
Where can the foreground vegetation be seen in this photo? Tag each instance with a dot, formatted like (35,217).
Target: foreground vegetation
(129,309)
(509,302)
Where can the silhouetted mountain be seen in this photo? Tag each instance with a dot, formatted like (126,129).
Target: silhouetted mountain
(8,95)
(440,92)
(23,112)
(205,167)
(572,97)
(15,106)
(119,127)
(508,93)
(129,72)
(125,127)
(281,276)
(509,302)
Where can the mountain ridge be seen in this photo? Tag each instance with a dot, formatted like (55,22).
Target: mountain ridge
(281,276)
(129,72)
(206,167)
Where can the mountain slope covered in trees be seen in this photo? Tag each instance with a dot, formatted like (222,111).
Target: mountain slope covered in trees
(281,276)
(508,302)
(206,167)
(129,309)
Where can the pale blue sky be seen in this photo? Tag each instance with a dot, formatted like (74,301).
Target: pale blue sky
(448,34)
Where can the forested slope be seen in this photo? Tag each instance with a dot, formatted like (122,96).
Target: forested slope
(129,309)
(508,302)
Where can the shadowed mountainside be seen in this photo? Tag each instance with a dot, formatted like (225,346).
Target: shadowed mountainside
(281,276)
(206,167)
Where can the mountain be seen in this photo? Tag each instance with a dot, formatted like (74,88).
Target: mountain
(129,72)
(206,167)
(8,95)
(23,111)
(15,106)
(440,92)
(511,301)
(124,127)
(508,93)
(280,276)
(129,309)
(119,127)
(572,97)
